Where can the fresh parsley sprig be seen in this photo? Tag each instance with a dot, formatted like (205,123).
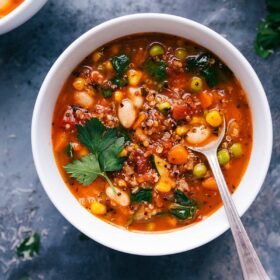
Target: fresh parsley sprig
(268,36)
(104,145)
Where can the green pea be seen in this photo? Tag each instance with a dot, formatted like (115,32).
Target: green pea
(236,150)
(164,107)
(156,50)
(223,156)
(181,53)
(199,170)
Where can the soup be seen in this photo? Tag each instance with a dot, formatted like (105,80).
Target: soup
(6,6)
(124,120)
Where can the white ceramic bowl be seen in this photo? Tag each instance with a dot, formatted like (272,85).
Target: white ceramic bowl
(20,15)
(114,237)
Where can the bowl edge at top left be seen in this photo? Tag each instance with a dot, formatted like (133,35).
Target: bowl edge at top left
(20,15)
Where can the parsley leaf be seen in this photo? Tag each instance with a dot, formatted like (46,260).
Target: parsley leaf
(156,69)
(105,145)
(109,159)
(107,92)
(95,136)
(85,170)
(268,36)
(29,246)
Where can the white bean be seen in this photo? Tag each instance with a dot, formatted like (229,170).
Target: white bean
(119,196)
(83,99)
(198,134)
(126,113)
(134,93)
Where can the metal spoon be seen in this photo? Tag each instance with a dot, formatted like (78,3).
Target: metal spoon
(251,266)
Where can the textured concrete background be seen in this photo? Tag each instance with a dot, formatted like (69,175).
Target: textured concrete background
(26,55)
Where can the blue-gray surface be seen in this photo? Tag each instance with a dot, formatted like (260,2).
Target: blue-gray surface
(26,55)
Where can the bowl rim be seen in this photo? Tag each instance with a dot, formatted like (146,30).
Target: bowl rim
(20,15)
(92,234)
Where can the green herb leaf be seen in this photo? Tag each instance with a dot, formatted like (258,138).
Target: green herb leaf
(104,145)
(85,170)
(142,195)
(182,199)
(109,159)
(95,136)
(183,212)
(268,36)
(29,246)
(107,92)
(156,69)
(69,150)
(211,69)
(120,63)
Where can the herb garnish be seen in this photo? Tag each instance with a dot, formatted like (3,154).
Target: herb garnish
(142,195)
(107,92)
(104,145)
(156,69)
(210,68)
(29,246)
(268,36)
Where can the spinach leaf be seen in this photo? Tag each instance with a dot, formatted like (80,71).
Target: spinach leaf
(119,81)
(69,150)
(120,63)
(182,199)
(183,212)
(142,195)
(29,246)
(156,69)
(210,68)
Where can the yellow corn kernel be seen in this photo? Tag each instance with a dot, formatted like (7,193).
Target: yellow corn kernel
(134,77)
(181,130)
(108,65)
(79,83)
(165,184)
(96,56)
(214,118)
(118,96)
(123,153)
(140,119)
(98,208)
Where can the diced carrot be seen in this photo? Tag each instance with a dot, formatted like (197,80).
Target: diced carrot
(210,184)
(206,99)
(178,155)
(140,119)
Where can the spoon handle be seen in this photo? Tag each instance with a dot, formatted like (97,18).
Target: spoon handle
(251,266)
